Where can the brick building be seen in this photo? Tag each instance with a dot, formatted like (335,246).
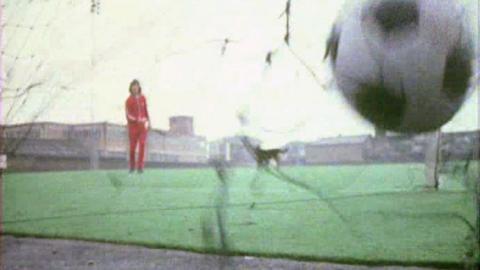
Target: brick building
(54,146)
(339,150)
(181,125)
(390,148)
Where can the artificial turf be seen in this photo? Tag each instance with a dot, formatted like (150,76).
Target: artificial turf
(390,218)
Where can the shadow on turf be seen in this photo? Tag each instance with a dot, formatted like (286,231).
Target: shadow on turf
(115,181)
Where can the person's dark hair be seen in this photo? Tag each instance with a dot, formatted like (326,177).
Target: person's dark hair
(135,82)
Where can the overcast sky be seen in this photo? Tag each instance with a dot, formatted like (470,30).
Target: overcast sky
(174,48)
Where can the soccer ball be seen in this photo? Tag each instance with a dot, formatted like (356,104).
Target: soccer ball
(404,65)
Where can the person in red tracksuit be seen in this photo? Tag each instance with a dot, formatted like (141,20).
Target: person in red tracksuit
(138,124)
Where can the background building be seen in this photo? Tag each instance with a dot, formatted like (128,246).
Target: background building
(340,150)
(181,125)
(365,149)
(53,146)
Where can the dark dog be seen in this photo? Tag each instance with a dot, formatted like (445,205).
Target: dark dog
(263,157)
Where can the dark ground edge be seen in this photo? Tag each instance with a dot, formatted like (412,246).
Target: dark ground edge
(217,252)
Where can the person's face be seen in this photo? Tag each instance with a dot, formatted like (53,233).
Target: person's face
(135,89)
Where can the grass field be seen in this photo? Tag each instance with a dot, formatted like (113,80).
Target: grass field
(391,218)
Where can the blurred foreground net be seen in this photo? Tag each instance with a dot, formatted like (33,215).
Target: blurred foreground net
(370,201)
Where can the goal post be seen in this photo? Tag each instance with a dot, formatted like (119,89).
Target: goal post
(432,159)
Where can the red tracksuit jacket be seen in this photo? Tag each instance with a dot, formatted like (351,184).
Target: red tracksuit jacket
(136,108)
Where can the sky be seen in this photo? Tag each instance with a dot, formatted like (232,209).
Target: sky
(84,63)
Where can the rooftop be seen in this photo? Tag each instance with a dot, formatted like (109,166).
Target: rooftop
(341,140)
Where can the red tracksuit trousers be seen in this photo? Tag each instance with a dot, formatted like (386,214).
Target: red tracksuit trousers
(137,134)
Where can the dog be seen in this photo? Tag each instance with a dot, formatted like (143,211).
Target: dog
(263,157)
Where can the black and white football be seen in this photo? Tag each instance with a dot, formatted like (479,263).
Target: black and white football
(405,65)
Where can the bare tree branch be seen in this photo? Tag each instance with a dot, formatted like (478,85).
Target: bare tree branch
(287,22)
(24,91)
(12,147)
